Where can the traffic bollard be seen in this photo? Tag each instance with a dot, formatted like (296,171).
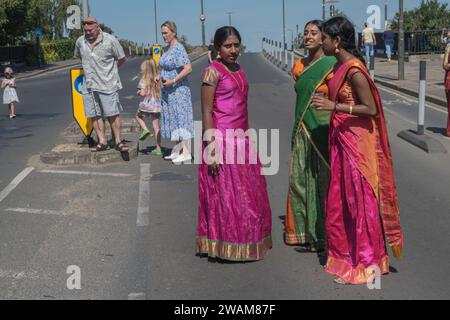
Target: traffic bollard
(422,88)
(372,67)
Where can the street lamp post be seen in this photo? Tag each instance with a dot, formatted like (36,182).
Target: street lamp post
(85,8)
(324,14)
(156,24)
(385,14)
(229,17)
(401,44)
(203,25)
(284,33)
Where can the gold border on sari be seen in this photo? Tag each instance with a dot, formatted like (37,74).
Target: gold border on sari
(233,251)
(355,274)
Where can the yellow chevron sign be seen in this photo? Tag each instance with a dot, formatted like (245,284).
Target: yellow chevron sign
(156,53)
(78,81)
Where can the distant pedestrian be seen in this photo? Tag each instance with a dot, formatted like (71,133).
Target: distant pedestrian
(446,65)
(369,41)
(101,55)
(388,37)
(212,52)
(362,213)
(177,120)
(10,94)
(150,90)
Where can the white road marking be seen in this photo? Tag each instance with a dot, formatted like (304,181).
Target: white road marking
(134,78)
(57,213)
(87,173)
(413,100)
(16,181)
(18,275)
(399,116)
(143,211)
(136,296)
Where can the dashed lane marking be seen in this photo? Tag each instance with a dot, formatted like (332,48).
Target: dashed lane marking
(88,173)
(16,181)
(143,212)
(58,213)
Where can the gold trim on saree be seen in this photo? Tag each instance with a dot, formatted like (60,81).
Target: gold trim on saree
(355,274)
(233,251)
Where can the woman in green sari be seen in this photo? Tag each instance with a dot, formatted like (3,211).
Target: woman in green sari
(309,172)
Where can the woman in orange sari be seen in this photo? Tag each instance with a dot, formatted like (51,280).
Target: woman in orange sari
(362,208)
(309,170)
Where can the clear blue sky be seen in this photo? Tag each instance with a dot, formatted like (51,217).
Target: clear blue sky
(134,19)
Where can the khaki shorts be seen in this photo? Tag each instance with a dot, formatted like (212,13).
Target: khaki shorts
(97,104)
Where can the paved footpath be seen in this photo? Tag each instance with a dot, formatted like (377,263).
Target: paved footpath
(387,75)
(130,227)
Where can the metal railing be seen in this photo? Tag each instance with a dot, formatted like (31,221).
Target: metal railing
(13,54)
(277,54)
(416,43)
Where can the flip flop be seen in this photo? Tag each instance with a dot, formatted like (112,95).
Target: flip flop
(156,153)
(144,135)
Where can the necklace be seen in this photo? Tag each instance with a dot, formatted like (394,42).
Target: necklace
(240,84)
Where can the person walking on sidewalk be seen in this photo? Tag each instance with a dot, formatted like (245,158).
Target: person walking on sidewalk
(234,215)
(388,38)
(446,65)
(101,55)
(177,121)
(362,204)
(369,41)
(10,94)
(309,173)
(150,89)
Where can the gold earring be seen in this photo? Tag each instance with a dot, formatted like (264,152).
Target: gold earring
(219,56)
(336,51)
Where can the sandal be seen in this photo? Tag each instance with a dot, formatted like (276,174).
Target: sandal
(100,147)
(341,281)
(122,147)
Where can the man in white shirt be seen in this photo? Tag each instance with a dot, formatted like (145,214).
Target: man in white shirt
(369,40)
(101,54)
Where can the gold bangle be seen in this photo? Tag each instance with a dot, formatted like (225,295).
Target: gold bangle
(351,109)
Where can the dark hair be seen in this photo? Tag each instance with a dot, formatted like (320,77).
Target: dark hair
(222,34)
(317,23)
(341,27)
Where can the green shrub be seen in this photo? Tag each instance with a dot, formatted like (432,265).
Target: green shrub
(58,50)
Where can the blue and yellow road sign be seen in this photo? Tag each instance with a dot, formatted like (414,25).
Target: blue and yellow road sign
(78,84)
(156,53)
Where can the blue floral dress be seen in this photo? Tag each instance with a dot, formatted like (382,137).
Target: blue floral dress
(177,121)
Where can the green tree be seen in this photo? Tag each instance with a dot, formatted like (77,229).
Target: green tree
(431,15)
(12,16)
(184,41)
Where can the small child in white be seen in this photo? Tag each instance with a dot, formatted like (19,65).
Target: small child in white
(10,93)
(150,89)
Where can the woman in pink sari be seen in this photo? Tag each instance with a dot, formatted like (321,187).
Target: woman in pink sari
(362,208)
(234,212)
